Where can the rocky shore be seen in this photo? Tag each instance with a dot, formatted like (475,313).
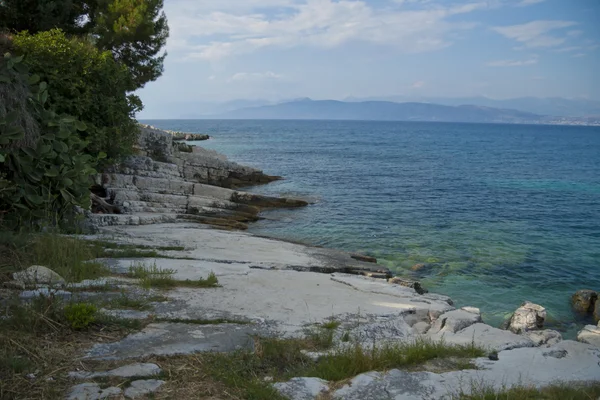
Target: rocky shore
(188,203)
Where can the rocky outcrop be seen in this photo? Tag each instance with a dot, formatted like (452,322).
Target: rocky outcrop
(163,184)
(38,274)
(527,317)
(583,301)
(590,334)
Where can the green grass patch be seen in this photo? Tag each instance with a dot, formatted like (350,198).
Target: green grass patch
(162,278)
(354,360)
(68,256)
(124,302)
(583,391)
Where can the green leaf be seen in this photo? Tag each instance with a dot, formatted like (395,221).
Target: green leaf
(67,182)
(2,158)
(80,125)
(66,195)
(52,172)
(17,59)
(4,79)
(44,97)
(60,147)
(34,199)
(43,86)
(33,79)
(101,155)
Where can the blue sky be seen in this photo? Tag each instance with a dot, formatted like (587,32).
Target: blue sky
(221,50)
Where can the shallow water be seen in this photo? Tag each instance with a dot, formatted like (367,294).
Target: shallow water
(498,213)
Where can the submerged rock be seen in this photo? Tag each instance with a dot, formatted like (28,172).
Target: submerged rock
(583,301)
(408,283)
(528,317)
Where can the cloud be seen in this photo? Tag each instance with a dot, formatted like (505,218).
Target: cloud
(418,84)
(524,3)
(215,29)
(567,49)
(535,33)
(254,76)
(512,63)
(579,55)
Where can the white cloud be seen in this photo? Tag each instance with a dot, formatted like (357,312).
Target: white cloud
(216,29)
(512,63)
(418,84)
(579,55)
(254,76)
(524,3)
(535,33)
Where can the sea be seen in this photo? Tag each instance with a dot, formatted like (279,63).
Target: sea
(489,214)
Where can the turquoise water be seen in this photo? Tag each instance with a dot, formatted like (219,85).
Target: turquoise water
(498,213)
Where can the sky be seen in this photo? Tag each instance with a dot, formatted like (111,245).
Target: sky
(220,50)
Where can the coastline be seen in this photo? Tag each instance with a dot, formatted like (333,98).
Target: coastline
(277,288)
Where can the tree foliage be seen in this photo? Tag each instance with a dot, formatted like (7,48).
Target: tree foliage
(134,31)
(87,84)
(49,174)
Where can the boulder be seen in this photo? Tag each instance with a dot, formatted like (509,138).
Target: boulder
(302,388)
(596,313)
(590,334)
(456,320)
(38,274)
(544,338)
(583,301)
(528,317)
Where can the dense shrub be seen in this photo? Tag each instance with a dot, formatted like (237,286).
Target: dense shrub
(87,84)
(44,172)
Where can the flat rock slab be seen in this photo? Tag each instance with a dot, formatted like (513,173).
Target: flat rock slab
(177,338)
(302,388)
(141,388)
(567,361)
(485,336)
(92,391)
(126,371)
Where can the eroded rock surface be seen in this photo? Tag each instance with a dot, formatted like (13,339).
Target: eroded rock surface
(527,317)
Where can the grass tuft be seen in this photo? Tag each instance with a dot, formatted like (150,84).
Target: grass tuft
(351,361)
(582,391)
(155,277)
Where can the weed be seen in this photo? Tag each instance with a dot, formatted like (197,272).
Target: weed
(354,360)
(125,302)
(331,325)
(202,321)
(582,391)
(156,277)
(80,315)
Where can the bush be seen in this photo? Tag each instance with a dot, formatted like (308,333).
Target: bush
(86,83)
(44,172)
(80,315)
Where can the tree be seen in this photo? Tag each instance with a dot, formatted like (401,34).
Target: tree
(42,15)
(134,31)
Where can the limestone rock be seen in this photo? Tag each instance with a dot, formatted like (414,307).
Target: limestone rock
(456,320)
(369,385)
(527,317)
(38,274)
(421,327)
(545,338)
(44,292)
(142,388)
(92,391)
(362,257)
(590,334)
(583,301)
(485,336)
(408,283)
(596,313)
(126,371)
(302,388)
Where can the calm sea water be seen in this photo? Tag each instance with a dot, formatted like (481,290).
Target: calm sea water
(498,213)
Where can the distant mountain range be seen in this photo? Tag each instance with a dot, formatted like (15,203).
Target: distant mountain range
(388,111)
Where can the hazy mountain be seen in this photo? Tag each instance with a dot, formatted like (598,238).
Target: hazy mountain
(555,106)
(380,111)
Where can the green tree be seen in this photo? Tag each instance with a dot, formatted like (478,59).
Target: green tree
(42,15)
(135,31)
(86,83)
